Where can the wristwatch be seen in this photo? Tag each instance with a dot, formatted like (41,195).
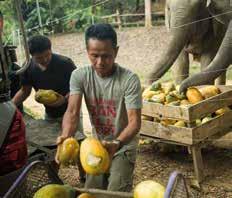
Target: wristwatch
(118,142)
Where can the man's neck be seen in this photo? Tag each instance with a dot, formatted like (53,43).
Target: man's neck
(109,74)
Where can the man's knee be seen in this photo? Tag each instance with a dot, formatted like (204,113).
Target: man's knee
(98,182)
(121,172)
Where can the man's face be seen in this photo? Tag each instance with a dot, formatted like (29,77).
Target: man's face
(43,59)
(102,55)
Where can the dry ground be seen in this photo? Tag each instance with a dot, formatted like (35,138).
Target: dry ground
(139,50)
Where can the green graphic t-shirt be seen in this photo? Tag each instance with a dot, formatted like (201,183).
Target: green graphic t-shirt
(108,100)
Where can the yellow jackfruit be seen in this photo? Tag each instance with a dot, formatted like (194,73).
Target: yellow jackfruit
(194,95)
(180,123)
(168,87)
(209,91)
(149,189)
(68,151)
(222,110)
(185,102)
(206,119)
(167,122)
(94,157)
(85,195)
(198,122)
(46,96)
(55,191)
(159,98)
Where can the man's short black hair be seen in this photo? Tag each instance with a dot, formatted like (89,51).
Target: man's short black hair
(101,32)
(39,44)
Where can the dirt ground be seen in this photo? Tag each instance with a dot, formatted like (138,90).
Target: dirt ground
(139,50)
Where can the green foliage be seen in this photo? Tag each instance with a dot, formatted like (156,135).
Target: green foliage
(63,15)
(8,11)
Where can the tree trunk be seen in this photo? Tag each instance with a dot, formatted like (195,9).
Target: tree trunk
(148,16)
(119,21)
(137,5)
(94,7)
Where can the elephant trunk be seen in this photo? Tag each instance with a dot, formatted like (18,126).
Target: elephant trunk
(173,50)
(180,20)
(217,67)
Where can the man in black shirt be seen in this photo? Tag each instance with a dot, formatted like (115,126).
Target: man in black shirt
(48,71)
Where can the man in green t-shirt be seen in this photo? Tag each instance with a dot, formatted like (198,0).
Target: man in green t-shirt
(113,98)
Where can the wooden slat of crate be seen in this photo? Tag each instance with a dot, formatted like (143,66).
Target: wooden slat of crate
(169,132)
(212,127)
(167,111)
(211,104)
(189,136)
(104,193)
(190,114)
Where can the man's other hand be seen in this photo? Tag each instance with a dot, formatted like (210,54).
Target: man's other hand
(111,147)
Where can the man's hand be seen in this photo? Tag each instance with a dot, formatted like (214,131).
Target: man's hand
(59,141)
(111,147)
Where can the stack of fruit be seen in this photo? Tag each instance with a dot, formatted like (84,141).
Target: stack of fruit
(168,94)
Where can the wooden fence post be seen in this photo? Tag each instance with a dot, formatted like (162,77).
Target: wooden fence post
(119,21)
(148,16)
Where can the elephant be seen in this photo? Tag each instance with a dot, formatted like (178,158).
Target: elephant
(201,39)
(222,11)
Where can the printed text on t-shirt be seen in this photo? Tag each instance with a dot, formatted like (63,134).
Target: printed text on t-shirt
(103,113)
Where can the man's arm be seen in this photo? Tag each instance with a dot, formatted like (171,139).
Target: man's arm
(22,94)
(133,102)
(71,116)
(133,127)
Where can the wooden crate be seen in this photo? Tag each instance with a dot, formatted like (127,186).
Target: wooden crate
(188,135)
(191,136)
(190,114)
(185,135)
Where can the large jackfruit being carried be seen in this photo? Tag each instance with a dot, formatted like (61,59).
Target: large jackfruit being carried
(94,157)
(46,97)
(55,191)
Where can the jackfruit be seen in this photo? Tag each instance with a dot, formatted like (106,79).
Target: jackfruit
(46,96)
(156,86)
(194,95)
(55,191)
(94,157)
(68,151)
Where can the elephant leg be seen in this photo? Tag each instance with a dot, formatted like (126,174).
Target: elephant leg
(221,80)
(205,61)
(180,69)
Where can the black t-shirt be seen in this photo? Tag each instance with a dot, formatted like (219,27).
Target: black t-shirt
(55,77)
